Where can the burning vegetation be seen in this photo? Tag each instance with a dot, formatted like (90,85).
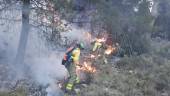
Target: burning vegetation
(87,67)
(138,65)
(109,50)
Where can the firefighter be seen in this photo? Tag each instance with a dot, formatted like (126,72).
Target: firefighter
(97,44)
(71,60)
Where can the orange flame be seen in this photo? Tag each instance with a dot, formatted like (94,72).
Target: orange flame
(101,40)
(109,50)
(87,67)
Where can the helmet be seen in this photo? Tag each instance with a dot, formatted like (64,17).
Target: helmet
(81,45)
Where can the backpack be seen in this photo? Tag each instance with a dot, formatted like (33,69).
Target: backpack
(68,54)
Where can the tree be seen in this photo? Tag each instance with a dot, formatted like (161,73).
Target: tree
(162,21)
(129,22)
(24,32)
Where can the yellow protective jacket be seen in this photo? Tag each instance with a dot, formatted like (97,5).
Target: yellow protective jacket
(76,55)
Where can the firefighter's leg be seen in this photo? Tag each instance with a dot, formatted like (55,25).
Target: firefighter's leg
(99,48)
(94,47)
(72,79)
(77,80)
(99,45)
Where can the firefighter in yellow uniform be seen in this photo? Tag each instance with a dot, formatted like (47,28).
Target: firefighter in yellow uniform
(97,44)
(75,55)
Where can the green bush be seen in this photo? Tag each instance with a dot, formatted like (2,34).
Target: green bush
(17,92)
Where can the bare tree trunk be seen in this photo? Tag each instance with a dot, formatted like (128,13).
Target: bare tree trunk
(24,33)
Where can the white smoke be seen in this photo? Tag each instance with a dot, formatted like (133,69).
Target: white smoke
(52,90)
(76,33)
(44,64)
(9,34)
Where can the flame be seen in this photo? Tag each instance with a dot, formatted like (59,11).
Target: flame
(89,68)
(92,56)
(109,50)
(86,67)
(101,40)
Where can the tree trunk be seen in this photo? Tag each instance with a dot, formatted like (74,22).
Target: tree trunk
(24,33)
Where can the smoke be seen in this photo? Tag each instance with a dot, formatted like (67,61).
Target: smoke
(76,33)
(41,64)
(79,35)
(9,35)
(47,70)
(154,11)
(44,63)
(52,90)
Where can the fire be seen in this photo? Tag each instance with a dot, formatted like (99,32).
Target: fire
(92,56)
(86,67)
(101,40)
(109,50)
(89,68)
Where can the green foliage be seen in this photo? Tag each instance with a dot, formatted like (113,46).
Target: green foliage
(65,8)
(17,92)
(144,75)
(126,26)
(151,71)
(164,51)
(162,20)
